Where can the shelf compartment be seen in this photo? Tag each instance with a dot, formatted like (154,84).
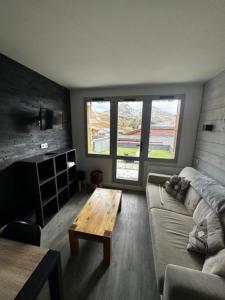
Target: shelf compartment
(46,180)
(50,210)
(48,191)
(71,156)
(47,200)
(72,173)
(70,164)
(60,190)
(60,163)
(60,172)
(53,180)
(45,170)
(62,180)
(72,188)
(63,197)
(71,181)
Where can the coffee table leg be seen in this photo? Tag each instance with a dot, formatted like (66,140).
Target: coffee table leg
(74,243)
(107,249)
(120,205)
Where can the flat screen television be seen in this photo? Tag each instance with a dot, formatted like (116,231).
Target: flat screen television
(50,119)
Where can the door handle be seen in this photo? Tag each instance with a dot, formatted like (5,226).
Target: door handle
(141,147)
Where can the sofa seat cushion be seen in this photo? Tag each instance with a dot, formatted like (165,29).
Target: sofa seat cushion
(170,234)
(157,197)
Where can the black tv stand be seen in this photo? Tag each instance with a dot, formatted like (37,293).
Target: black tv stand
(49,181)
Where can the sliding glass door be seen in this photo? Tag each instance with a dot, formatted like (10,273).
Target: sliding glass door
(128,145)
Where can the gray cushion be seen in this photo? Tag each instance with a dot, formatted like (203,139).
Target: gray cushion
(222,219)
(207,236)
(157,197)
(189,173)
(202,211)
(177,187)
(215,264)
(186,284)
(212,192)
(170,237)
(192,199)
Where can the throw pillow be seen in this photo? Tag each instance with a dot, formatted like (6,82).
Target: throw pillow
(222,220)
(211,191)
(202,211)
(177,187)
(215,264)
(207,236)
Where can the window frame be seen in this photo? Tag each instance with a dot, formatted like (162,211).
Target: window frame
(97,99)
(146,122)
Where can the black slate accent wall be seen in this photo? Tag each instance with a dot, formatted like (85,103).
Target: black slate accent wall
(22,92)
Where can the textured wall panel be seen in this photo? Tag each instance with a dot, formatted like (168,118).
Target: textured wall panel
(210,146)
(22,93)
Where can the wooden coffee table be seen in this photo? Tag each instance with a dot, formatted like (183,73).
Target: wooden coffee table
(96,220)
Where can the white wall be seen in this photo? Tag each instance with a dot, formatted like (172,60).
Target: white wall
(192,107)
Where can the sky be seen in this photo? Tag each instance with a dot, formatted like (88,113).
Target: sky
(100,106)
(164,105)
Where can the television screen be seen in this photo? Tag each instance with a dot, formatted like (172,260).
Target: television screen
(57,120)
(50,119)
(46,117)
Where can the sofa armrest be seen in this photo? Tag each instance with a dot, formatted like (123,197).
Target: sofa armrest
(188,284)
(158,178)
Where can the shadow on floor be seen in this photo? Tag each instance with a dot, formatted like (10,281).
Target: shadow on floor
(88,285)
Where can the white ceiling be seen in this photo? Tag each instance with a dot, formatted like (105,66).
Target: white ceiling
(93,43)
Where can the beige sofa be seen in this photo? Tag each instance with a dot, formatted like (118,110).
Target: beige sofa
(178,272)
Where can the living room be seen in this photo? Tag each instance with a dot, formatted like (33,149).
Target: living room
(112,149)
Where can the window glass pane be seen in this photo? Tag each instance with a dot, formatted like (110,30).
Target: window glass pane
(129,128)
(127,169)
(164,128)
(98,127)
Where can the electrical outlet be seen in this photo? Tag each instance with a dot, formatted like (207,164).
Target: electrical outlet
(44,146)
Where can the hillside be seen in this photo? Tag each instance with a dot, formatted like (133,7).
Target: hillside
(130,118)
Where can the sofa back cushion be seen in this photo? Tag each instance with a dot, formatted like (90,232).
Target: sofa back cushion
(192,199)
(189,173)
(202,211)
(212,192)
(222,220)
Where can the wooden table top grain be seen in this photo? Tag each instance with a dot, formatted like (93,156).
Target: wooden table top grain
(17,263)
(98,215)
